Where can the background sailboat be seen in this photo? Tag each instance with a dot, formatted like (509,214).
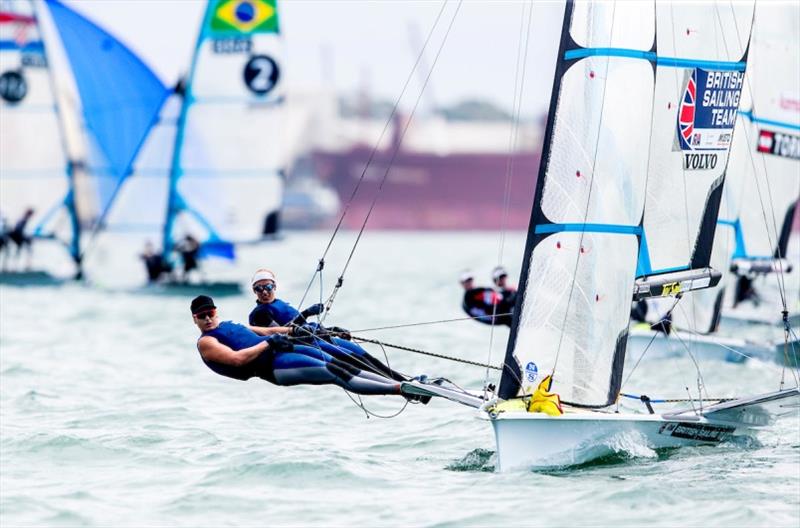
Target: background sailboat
(211,167)
(40,164)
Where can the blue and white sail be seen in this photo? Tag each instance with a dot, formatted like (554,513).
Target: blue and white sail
(226,175)
(622,204)
(770,158)
(37,170)
(120,100)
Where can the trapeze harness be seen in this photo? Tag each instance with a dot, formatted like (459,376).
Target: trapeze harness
(281,313)
(302,365)
(482,303)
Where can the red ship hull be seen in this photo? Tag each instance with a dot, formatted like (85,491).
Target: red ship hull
(427,191)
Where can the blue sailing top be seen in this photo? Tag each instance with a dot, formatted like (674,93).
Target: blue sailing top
(277,312)
(239,337)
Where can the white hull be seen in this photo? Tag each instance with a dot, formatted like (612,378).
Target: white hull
(660,346)
(536,440)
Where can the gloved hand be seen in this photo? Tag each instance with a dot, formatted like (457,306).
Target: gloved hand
(340,332)
(302,331)
(280,343)
(314,309)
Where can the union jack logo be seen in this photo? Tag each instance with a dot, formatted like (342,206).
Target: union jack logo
(686,111)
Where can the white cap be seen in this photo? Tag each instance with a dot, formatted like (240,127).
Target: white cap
(263,274)
(498,272)
(466,275)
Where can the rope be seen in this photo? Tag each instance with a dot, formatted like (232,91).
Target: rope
(389,120)
(340,281)
(426,353)
(423,323)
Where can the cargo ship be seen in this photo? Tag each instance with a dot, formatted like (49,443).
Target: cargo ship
(446,174)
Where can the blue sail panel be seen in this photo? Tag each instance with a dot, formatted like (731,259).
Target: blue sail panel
(120,95)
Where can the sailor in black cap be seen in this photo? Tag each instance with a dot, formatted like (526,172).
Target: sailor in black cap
(243,352)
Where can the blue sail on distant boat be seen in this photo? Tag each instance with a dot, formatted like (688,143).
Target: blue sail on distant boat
(120,99)
(38,168)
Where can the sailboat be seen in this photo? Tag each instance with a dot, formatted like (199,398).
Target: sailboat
(769,199)
(756,193)
(39,167)
(634,108)
(212,162)
(71,162)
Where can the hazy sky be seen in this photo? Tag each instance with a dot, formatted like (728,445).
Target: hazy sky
(356,43)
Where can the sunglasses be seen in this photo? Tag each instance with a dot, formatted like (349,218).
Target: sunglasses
(264,288)
(209,314)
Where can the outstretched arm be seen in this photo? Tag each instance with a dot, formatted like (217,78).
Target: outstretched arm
(213,350)
(269,330)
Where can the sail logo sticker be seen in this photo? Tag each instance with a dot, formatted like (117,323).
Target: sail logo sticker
(245,16)
(779,144)
(707,112)
(531,371)
(703,161)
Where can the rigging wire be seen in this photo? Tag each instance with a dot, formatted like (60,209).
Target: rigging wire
(424,323)
(389,120)
(519,85)
(427,353)
(340,280)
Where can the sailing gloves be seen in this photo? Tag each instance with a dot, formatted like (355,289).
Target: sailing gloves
(279,343)
(314,309)
(340,332)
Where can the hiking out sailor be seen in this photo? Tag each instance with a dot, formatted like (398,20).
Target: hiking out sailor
(243,352)
(484,304)
(509,292)
(336,341)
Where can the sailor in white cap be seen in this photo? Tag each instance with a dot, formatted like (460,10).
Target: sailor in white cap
(336,341)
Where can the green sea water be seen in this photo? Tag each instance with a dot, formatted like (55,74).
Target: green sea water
(108,417)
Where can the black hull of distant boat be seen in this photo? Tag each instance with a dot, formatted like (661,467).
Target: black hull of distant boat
(30,278)
(214,289)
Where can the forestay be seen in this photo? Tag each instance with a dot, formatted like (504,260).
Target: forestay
(615,93)
(34,166)
(227,166)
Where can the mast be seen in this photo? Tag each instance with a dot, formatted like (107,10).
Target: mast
(70,202)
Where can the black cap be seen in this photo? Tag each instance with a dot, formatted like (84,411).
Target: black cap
(202,303)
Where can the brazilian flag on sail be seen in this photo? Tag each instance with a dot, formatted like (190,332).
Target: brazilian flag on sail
(244,17)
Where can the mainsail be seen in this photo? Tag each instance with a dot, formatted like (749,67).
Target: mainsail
(36,170)
(637,109)
(226,171)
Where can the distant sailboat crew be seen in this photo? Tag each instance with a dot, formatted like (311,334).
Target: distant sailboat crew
(484,304)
